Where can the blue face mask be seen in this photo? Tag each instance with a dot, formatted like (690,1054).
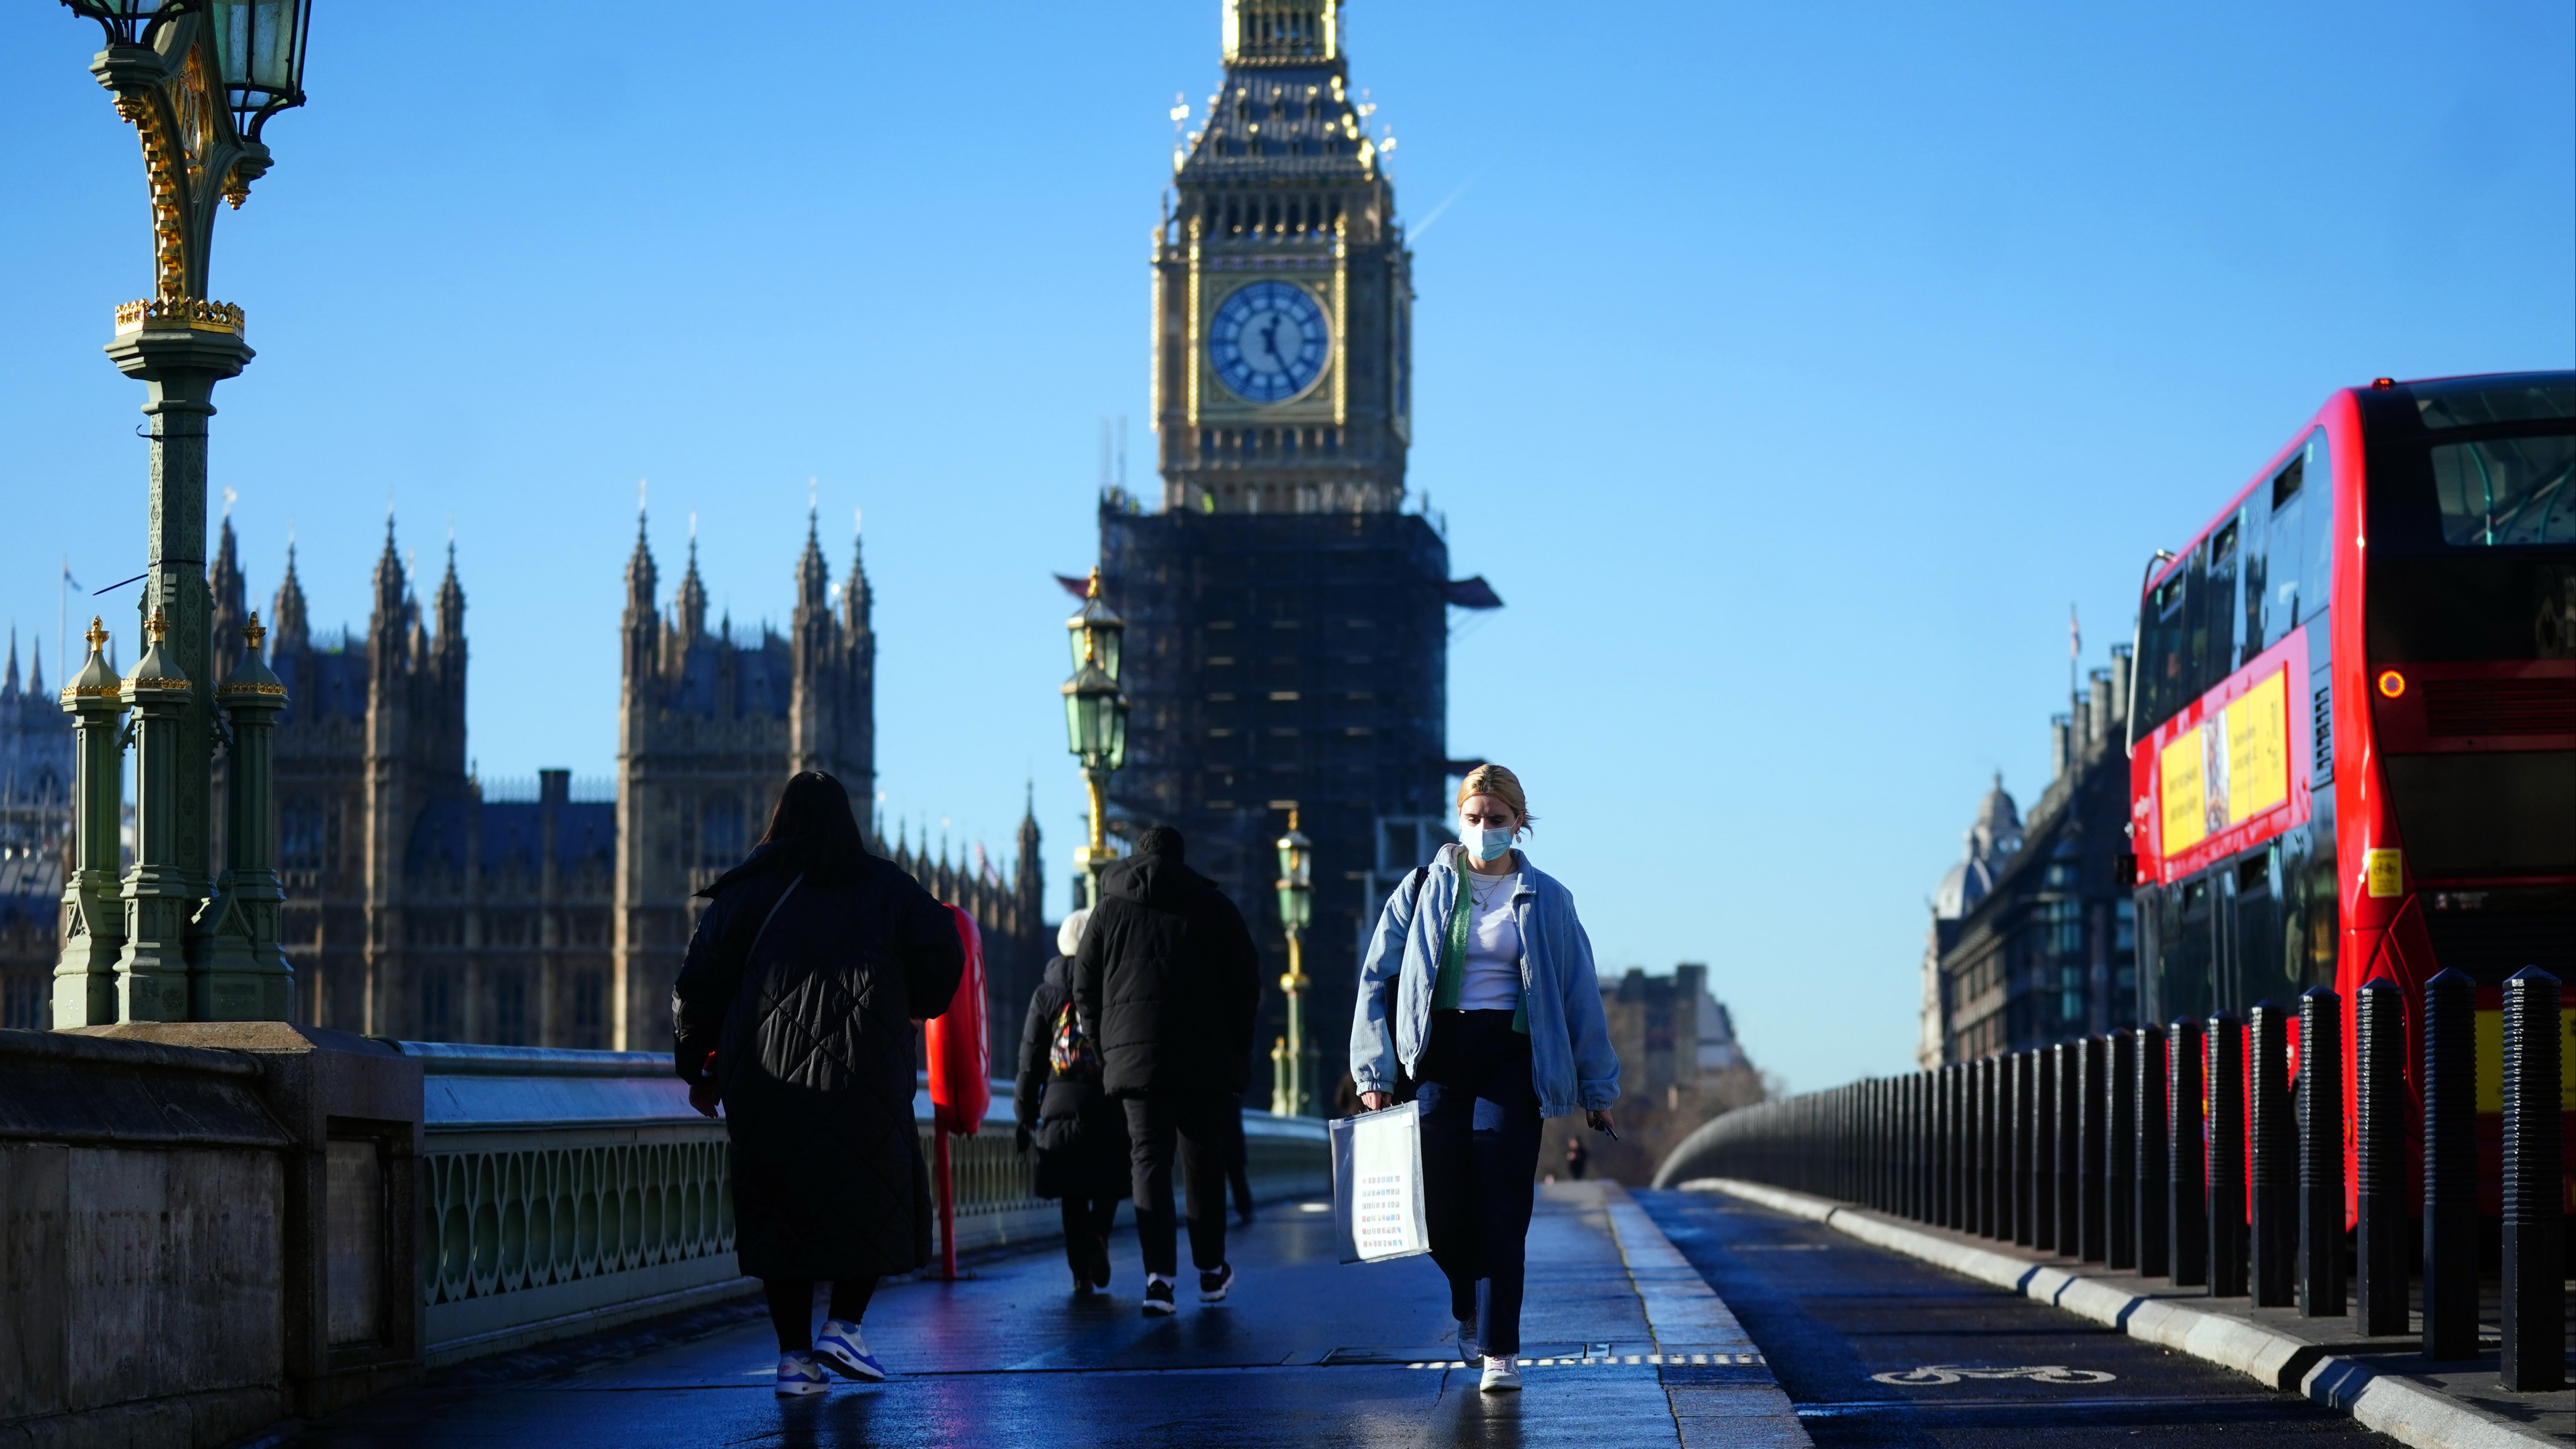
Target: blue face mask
(1485,844)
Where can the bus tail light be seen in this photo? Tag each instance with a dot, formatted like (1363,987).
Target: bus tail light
(2391,683)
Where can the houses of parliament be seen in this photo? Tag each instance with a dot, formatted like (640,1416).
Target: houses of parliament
(425,903)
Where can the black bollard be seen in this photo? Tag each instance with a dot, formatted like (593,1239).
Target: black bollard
(2379,1157)
(1998,1155)
(2225,1174)
(1917,1139)
(2093,1143)
(2320,1153)
(2274,1138)
(1961,1146)
(2450,1167)
(2186,1155)
(2535,1288)
(1990,1149)
(2154,1256)
(2024,1100)
(2070,1147)
(1972,1150)
(2120,1153)
(2043,1150)
(1945,1147)
(1961,1151)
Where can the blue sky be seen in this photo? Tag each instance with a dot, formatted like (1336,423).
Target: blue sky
(1788,370)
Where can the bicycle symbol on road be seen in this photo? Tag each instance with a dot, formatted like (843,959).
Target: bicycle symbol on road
(1948,1373)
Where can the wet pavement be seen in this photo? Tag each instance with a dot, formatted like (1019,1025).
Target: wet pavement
(1878,1349)
(1306,1352)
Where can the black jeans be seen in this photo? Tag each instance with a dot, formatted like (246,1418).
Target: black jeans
(791,1307)
(1086,1231)
(1199,1120)
(1480,1130)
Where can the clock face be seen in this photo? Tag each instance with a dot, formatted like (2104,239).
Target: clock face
(1268,341)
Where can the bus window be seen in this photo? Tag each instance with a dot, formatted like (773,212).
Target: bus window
(2183,949)
(2250,567)
(2214,651)
(2165,676)
(2285,554)
(2318,574)
(2506,491)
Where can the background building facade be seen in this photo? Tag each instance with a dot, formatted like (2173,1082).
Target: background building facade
(2034,934)
(35,823)
(427,902)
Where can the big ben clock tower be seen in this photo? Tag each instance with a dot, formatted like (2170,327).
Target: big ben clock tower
(1282,289)
(1287,641)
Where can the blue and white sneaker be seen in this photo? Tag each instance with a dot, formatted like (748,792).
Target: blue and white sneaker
(843,1347)
(799,1375)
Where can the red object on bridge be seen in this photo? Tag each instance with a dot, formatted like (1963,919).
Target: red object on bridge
(961,1085)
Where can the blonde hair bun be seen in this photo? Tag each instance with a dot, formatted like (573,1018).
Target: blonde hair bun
(1502,784)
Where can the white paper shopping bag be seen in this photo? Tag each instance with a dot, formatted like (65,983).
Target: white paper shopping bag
(1377,1185)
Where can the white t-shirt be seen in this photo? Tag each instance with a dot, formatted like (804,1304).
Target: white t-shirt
(1493,976)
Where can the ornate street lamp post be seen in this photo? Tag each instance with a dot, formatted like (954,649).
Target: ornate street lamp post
(198,80)
(1095,717)
(1292,1058)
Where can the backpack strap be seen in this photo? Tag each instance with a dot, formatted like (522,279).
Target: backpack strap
(754,947)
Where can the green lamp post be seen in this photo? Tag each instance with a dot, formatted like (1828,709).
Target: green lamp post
(1292,1058)
(198,80)
(1095,718)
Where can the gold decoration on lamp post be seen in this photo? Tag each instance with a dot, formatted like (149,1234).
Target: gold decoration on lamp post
(1292,1057)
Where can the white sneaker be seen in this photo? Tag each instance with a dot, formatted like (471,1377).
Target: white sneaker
(842,1346)
(1502,1374)
(1467,1337)
(799,1374)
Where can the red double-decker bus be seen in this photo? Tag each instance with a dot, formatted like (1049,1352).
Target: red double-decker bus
(2353,729)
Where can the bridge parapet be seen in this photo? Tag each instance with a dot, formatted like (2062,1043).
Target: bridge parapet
(269,1220)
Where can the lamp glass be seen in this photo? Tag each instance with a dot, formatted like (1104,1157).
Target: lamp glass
(1076,725)
(259,45)
(1117,725)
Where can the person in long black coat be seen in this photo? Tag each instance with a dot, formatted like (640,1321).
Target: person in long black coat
(1079,1133)
(1166,982)
(797,1010)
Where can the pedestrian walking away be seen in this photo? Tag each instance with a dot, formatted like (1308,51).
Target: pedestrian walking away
(1478,987)
(1577,1158)
(797,1010)
(1165,984)
(1068,1118)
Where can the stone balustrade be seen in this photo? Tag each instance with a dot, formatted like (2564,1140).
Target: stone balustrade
(206,1228)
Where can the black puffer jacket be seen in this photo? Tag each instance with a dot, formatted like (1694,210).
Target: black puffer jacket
(1167,981)
(813,1039)
(1080,1134)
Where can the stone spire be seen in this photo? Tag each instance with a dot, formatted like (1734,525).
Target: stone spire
(291,631)
(36,672)
(232,607)
(393,585)
(9,685)
(689,605)
(857,600)
(1027,880)
(451,603)
(642,625)
(813,576)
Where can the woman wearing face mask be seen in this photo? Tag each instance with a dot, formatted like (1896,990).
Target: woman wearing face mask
(1479,985)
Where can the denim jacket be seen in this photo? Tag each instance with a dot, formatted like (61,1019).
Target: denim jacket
(1572,1063)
